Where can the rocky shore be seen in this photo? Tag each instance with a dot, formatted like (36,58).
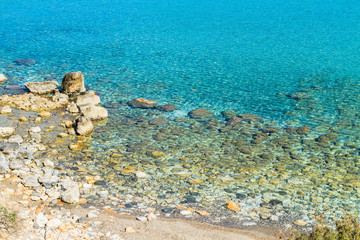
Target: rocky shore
(242,171)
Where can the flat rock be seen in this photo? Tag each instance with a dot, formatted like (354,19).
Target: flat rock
(142,103)
(42,87)
(31,181)
(53,223)
(73,83)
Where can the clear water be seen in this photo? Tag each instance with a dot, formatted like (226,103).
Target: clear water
(240,55)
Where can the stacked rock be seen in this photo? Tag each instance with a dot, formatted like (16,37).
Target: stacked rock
(85,103)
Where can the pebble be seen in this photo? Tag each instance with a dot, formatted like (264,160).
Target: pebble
(300,222)
(233,206)
(53,223)
(141,218)
(40,220)
(130,229)
(6,110)
(35,129)
(185,212)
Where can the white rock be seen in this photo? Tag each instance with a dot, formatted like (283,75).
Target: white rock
(140,174)
(35,129)
(49,163)
(3,78)
(70,192)
(40,220)
(84,126)
(6,131)
(6,110)
(16,139)
(53,223)
(72,108)
(141,218)
(185,212)
(92,214)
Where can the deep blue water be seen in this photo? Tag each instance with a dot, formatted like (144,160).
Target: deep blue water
(215,54)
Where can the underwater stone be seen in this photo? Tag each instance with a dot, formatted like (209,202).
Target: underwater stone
(73,83)
(251,117)
(142,103)
(201,113)
(25,61)
(167,107)
(6,131)
(42,87)
(303,130)
(299,96)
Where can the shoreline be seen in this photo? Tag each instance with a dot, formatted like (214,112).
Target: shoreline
(46,167)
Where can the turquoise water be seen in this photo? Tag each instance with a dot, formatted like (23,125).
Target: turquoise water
(215,54)
(246,56)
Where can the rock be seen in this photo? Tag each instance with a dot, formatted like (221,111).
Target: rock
(3,78)
(25,61)
(158,121)
(251,117)
(140,174)
(185,212)
(73,83)
(35,129)
(31,181)
(84,126)
(45,114)
(4,166)
(157,154)
(76,146)
(23,119)
(48,163)
(130,229)
(6,110)
(15,139)
(167,107)
(42,87)
(229,114)
(265,215)
(90,98)
(201,113)
(142,103)
(53,223)
(303,130)
(233,206)
(72,108)
(92,214)
(6,131)
(95,113)
(300,222)
(141,218)
(298,96)
(70,192)
(40,220)
(16,164)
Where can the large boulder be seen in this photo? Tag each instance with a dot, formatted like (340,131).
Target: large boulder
(73,83)
(42,87)
(84,126)
(142,103)
(94,112)
(90,98)
(3,78)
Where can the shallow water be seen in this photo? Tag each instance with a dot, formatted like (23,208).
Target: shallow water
(221,55)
